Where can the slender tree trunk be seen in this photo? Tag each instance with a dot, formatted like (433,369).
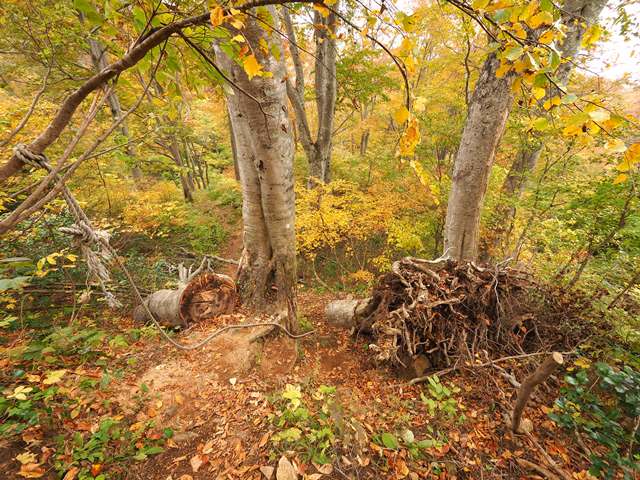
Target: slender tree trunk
(488,111)
(318,151)
(187,188)
(99,59)
(577,16)
(265,150)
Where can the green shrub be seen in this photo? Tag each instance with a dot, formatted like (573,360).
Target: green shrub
(604,404)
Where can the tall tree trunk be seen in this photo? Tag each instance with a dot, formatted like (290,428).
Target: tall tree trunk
(187,186)
(318,151)
(265,150)
(488,111)
(99,59)
(577,16)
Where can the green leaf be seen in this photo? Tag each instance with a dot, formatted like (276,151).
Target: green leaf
(389,441)
(13,283)
(513,53)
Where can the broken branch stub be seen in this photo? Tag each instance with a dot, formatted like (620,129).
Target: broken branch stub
(205,296)
(544,370)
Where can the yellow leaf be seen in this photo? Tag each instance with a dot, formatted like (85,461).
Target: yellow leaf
(401,115)
(251,66)
(410,139)
(54,377)
(591,36)
(420,104)
(620,178)
(582,363)
(529,11)
(542,18)
(321,9)
(32,470)
(547,37)
(503,69)
(599,115)
(538,92)
(518,30)
(517,83)
(616,145)
(217,16)
(520,66)
(26,457)
(479,4)
(240,39)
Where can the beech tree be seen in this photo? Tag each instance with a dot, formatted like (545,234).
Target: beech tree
(491,103)
(264,145)
(486,119)
(99,58)
(577,17)
(317,149)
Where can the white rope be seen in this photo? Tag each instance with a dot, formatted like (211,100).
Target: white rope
(83,233)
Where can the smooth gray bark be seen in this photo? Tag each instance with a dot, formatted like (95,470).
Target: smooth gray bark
(577,16)
(265,150)
(99,60)
(488,111)
(318,150)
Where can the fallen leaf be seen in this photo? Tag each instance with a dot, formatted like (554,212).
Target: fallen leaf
(71,473)
(326,468)
(54,377)
(26,457)
(264,439)
(267,471)
(286,471)
(197,461)
(31,470)
(208,447)
(96,468)
(233,380)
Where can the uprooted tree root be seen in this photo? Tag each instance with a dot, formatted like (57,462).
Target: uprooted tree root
(448,313)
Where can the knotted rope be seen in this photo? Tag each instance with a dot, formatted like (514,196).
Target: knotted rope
(84,235)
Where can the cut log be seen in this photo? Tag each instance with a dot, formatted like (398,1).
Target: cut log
(546,368)
(205,296)
(348,313)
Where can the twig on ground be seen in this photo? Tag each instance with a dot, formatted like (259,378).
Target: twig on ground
(541,470)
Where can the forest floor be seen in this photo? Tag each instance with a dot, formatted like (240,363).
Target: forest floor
(222,402)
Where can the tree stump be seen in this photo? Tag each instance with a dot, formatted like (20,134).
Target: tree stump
(205,296)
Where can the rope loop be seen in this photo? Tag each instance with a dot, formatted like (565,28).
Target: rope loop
(26,156)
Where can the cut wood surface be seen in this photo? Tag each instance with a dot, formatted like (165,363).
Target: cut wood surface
(205,296)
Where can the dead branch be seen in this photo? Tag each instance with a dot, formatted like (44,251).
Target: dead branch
(541,470)
(546,368)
